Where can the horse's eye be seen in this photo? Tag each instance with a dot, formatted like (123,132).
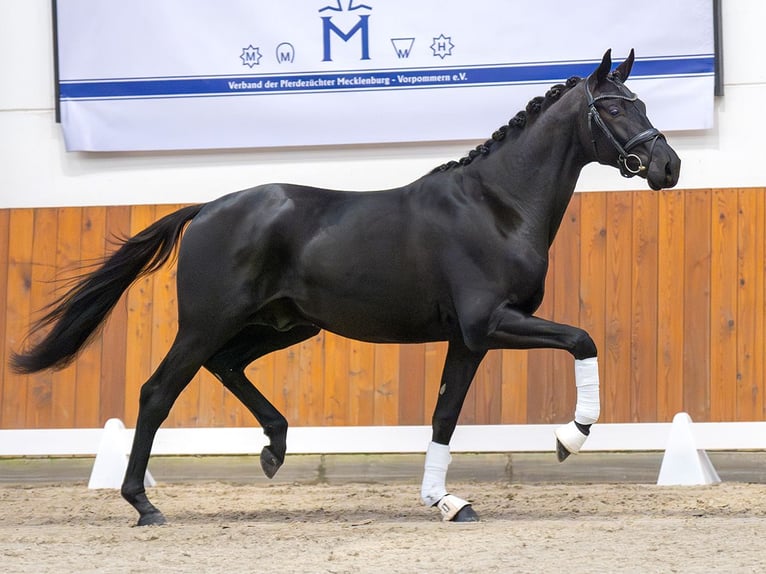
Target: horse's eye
(614,111)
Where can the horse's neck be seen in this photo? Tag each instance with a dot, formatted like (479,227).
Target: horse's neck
(536,173)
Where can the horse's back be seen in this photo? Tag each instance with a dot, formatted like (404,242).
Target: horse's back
(350,262)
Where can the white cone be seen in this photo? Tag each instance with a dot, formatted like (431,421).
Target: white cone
(683,463)
(112,458)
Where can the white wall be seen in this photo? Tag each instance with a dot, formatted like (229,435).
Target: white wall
(36,171)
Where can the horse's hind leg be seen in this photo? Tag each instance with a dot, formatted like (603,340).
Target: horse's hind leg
(459,369)
(157,397)
(228,365)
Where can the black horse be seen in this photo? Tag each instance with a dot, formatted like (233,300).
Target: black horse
(460,255)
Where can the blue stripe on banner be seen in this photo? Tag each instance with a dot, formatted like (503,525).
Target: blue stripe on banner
(366,80)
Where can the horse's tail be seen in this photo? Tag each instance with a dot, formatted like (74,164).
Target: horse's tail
(78,314)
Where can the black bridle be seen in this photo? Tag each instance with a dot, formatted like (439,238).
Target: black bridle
(629,163)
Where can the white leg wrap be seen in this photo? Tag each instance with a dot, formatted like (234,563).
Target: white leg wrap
(588,402)
(571,437)
(588,406)
(433,488)
(450,505)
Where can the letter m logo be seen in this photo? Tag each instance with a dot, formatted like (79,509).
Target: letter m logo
(329,28)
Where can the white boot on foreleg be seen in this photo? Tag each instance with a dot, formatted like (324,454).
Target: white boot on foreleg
(433,491)
(569,438)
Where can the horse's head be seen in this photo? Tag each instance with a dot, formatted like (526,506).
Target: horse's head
(620,133)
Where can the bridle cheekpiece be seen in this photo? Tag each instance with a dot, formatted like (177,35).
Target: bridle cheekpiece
(629,163)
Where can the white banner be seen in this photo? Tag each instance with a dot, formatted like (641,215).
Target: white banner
(183,74)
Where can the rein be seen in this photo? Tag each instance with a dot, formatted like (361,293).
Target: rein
(629,163)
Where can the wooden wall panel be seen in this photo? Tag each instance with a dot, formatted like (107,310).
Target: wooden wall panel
(336,395)
(434,356)
(513,391)
(566,309)
(671,281)
(540,375)
(412,375)
(387,369)
(643,342)
(723,298)
(751,337)
(592,257)
(68,256)
(310,397)
(618,309)
(487,389)
(360,383)
(697,304)
(20,243)
(162,318)
(671,286)
(43,272)
(88,400)
(115,336)
(5,380)
(138,356)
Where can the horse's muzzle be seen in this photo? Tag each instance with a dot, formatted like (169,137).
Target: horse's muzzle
(664,167)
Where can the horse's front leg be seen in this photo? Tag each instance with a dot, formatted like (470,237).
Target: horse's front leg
(459,370)
(510,328)
(570,437)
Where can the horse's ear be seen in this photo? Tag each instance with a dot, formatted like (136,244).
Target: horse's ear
(602,71)
(623,70)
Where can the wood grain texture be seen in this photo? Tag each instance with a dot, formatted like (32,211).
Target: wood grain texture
(671,310)
(13,408)
(670,285)
(115,339)
(698,304)
(643,386)
(592,260)
(92,246)
(68,258)
(566,309)
(751,305)
(5,380)
(723,298)
(39,388)
(618,308)
(138,360)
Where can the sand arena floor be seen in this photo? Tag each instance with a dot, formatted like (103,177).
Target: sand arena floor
(346,526)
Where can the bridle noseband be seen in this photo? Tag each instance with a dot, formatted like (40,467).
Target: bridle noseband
(629,163)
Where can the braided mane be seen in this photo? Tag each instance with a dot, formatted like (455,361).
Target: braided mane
(517,123)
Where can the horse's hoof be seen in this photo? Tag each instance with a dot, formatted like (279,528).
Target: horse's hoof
(466,514)
(569,439)
(152,519)
(454,509)
(269,462)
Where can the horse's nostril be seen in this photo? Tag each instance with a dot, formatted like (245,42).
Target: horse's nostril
(671,173)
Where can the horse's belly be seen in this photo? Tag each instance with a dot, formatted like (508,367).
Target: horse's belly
(366,275)
(398,319)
